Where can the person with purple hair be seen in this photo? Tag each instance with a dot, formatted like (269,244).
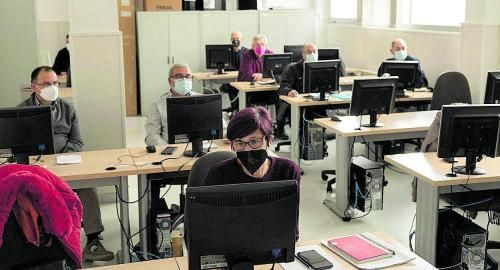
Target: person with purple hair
(250,132)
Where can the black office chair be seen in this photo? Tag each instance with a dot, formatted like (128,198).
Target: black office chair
(451,87)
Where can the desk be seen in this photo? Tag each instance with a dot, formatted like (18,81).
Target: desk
(296,103)
(397,126)
(181,263)
(431,172)
(359,72)
(210,77)
(91,173)
(245,87)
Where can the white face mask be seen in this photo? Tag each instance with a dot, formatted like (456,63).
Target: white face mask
(400,55)
(312,57)
(183,86)
(50,93)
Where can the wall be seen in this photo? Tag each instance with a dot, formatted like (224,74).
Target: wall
(18,46)
(53,25)
(367,47)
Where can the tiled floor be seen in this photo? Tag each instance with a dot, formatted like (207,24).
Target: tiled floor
(316,220)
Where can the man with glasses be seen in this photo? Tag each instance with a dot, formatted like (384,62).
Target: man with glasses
(181,84)
(67,138)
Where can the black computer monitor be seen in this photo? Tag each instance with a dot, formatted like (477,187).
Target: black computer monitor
(296,50)
(329,54)
(27,131)
(373,97)
(469,131)
(248,224)
(321,77)
(220,57)
(405,70)
(492,95)
(194,119)
(273,65)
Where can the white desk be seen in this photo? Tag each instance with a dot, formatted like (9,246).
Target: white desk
(209,78)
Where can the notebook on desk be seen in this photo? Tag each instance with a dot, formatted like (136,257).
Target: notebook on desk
(358,248)
(267,82)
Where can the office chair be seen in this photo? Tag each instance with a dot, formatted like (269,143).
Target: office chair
(451,87)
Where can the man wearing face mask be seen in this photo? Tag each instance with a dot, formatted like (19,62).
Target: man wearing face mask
(181,84)
(400,52)
(61,63)
(67,138)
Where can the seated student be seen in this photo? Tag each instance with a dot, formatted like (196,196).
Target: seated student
(67,138)
(181,84)
(251,61)
(61,63)
(239,50)
(400,52)
(250,133)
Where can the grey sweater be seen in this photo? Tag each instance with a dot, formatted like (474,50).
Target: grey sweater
(65,124)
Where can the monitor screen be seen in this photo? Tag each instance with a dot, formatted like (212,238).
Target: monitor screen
(321,77)
(492,94)
(247,224)
(274,64)
(220,57)
(194,118)
(27,131)
(296,50)
(329,54)
(405,70)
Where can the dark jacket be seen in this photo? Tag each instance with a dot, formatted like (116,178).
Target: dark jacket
(250,64)
(292,78)
(65,123)
(238,57)
(61,63)
(420,80)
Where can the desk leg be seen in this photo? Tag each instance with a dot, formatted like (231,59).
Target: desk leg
(427,221)
(242,96)
(294,135)
(343,165)
(124,214)
(143,210)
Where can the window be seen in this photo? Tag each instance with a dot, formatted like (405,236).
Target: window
(431,12)
(344,10)
(376,12)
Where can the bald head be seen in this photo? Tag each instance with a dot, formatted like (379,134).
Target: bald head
(308,49)
(236,38)
(399,49)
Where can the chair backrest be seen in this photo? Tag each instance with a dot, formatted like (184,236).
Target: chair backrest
(451,87)
(202,166)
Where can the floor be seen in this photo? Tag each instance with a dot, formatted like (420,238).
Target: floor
(316,220)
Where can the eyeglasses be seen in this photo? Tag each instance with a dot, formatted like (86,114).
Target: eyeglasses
(180,76)
(254,143)
(56,84)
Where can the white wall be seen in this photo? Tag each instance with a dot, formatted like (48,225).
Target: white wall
(53,25)
(18,47)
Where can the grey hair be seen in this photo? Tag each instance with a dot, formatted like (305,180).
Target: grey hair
(260,37)
(172,68)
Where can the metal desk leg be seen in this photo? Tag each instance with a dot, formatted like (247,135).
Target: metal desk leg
(143,210)
(427,221)
(343,165)
(124,214)
(294,135)
(242,96)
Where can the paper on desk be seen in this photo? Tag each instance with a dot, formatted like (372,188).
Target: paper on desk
(297,265)
(267,82)
(69,159)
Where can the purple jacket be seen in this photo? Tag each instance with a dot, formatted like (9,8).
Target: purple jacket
(250,64)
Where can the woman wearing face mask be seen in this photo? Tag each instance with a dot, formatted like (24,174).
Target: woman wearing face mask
(250,132)
(181,84)
(251,62)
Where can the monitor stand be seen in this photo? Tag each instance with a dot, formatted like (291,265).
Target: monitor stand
(373,120)
(22,158)
(322,96)
(470,166)
(197,148)
(245,265)
(220,69)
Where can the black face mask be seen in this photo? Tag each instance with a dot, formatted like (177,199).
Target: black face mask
(236,43)
(253,159)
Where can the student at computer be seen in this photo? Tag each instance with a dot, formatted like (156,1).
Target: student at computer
(239,50)
(67,138)
(61,63)
(400,52)
(250,133)
(251,61)
(180,81)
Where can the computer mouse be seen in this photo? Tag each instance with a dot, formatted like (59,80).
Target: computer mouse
(151,149)
(335,118)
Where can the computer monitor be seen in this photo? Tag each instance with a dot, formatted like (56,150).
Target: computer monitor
(220,57)
(469,131)
(329,54)
(321,77)
(492,95)
(405,70)
(273,65)
(296,50)
(373,97)
(247,224)
(26,131)
(194,119)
